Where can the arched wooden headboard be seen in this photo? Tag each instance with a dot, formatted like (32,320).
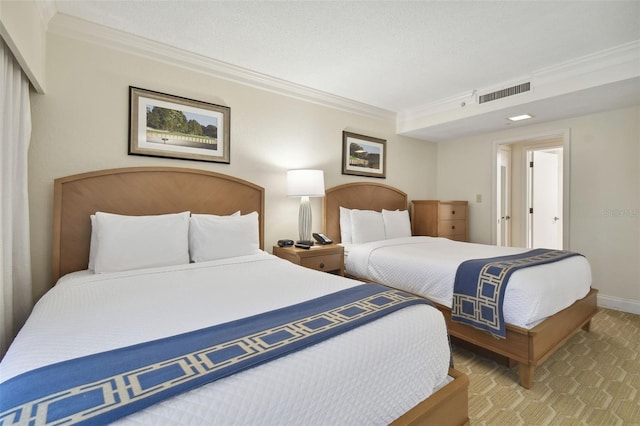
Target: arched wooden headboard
(140,191)
(358,195)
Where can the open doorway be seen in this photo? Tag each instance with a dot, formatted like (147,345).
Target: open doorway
(530,205)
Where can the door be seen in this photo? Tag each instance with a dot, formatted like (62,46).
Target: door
(545,198)
(504,196)
(512,193)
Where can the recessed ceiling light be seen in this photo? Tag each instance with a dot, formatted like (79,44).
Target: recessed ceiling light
(520,117)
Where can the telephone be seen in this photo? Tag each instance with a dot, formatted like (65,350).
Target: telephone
(322,239)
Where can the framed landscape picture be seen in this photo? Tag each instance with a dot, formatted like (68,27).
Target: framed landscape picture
(363,155)
(170,126)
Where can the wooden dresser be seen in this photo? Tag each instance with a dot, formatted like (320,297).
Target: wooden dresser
(435,218)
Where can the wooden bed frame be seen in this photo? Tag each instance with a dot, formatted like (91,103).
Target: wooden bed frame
(526,347)
(140,191)
(162,190)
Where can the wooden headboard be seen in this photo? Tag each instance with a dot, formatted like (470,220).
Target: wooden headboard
(140,191)
(358,195)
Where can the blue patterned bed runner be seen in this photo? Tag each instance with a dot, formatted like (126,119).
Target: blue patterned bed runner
(480,284)
(101,388)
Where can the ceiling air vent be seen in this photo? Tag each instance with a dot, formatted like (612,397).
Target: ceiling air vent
(503,93)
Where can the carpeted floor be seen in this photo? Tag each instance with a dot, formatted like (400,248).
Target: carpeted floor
(594,379)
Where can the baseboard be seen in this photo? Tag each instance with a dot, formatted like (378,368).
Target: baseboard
(619,304)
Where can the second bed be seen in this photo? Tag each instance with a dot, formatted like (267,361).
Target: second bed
(543,307)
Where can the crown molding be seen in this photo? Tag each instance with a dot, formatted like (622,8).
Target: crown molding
(447,104)
(79,29)
(604,60)
(47,10)
(606,66)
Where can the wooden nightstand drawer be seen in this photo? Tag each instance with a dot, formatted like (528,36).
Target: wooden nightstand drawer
(327,262)
(329,258)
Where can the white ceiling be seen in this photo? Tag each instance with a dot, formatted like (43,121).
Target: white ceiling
(413,58)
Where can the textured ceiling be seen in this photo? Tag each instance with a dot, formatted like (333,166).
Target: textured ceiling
(394,55)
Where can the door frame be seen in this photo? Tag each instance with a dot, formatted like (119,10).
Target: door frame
(565,135)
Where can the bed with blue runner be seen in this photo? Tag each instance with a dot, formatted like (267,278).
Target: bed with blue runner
(103,387)
(480,285)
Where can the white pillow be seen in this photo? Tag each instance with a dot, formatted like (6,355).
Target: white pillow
(219,237)
(94,237)
(396,223)
(345,225)
(134,242)
(366,225)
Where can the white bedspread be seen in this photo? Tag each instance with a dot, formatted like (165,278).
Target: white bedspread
(427,266)
(370,375)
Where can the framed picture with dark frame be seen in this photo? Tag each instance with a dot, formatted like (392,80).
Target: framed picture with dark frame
(162,125)
(363,155)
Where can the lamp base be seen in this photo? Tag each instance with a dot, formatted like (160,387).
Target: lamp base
(306,242)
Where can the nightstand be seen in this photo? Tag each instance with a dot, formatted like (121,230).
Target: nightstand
(325,258)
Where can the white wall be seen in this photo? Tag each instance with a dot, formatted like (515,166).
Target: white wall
(81,124)
(605,194)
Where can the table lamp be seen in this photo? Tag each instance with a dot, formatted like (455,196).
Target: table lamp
(305,184)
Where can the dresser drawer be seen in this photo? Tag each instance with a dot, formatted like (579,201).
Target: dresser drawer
(457,237)
(447,228)
(452,211)
(325,262)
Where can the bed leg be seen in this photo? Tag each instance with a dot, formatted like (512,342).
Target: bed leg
(526,371)
(587,326)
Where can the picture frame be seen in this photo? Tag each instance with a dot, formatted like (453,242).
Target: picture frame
(363,155)
(162,125)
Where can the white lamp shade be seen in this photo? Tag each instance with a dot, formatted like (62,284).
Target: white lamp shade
(305,183)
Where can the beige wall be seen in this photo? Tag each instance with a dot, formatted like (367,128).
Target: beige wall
(81,125)
(23,29)
(605,194)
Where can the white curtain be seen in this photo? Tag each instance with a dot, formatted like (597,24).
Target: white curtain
(15,256)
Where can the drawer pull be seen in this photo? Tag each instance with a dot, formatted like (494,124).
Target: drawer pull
(321,265)
(453,212)
(453,227)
